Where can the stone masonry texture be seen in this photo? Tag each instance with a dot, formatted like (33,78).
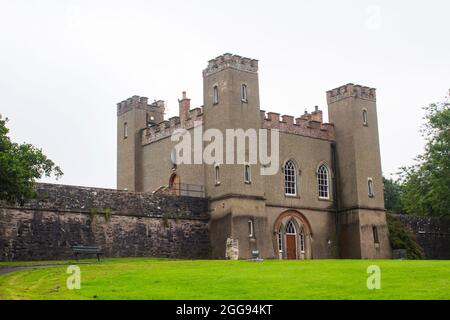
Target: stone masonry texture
(432,234)
(124,224)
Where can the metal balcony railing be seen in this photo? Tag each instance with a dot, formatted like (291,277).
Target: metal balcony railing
(183,189)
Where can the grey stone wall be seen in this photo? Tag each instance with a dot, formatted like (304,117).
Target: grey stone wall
(124,224)
(432,233)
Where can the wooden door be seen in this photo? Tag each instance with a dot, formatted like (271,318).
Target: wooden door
(291,247)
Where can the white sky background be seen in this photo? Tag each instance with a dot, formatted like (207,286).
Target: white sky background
(65,64)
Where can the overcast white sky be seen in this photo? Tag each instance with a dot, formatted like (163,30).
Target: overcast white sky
(65,64)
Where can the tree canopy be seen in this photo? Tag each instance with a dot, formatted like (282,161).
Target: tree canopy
(20,166)
(392,196)
(426,184)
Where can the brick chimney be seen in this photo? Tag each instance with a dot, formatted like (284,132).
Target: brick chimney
(185,106)
(316,115)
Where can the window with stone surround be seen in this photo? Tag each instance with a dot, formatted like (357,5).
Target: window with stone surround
(250,228)
(125,130)
(215,94)
(323,182)
(217,174)
(290,178)
(376,240)
(244,93)
(370,187)
(365,118)
(247,174)
(280,239)
(302,240)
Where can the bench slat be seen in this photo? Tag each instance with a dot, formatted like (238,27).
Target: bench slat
(88,250)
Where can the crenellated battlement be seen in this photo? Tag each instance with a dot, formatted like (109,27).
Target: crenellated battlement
(351,90)
(229,60)
(138,102)
(309,124)
(167,127)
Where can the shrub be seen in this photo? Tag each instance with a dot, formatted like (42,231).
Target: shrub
(401,237)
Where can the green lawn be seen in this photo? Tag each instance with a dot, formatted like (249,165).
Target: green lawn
(143,278)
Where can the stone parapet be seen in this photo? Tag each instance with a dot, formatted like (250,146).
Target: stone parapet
(351,90)
(309,125)
(229,60)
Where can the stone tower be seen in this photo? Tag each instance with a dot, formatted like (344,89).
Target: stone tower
(231,101)
(133,115)
(362,222)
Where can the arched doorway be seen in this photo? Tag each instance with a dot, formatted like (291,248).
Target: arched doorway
(174,183)
(293,236)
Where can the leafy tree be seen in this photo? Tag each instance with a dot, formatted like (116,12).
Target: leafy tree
(392,196)
(20,166)
(426,184)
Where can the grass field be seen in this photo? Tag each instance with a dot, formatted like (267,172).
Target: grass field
(143,278)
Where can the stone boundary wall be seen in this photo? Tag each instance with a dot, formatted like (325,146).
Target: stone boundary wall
(124,224)
(432,233)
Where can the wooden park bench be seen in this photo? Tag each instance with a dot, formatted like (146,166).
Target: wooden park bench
(87,250)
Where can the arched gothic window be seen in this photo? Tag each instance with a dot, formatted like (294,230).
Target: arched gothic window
(302,240)
(290,178)
(280,239)
(290,227)
(323,182)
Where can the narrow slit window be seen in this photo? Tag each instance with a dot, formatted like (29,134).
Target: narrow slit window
(302,241)
(125,130)
(370,187)
(375,235)
(247,174)
(216,95)
(217,174)
(244,93)
(280,239)
(250,228)
(365,118)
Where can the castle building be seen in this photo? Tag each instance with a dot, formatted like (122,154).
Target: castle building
(326,199)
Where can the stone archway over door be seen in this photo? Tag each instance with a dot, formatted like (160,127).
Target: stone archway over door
(291,240)
(293,236)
